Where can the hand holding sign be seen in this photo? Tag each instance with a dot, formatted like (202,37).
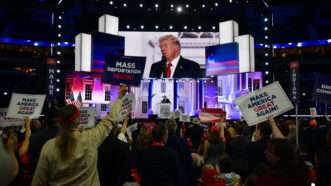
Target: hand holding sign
(260,104)
(25,105)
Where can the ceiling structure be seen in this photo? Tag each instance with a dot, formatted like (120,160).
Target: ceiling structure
(293,20)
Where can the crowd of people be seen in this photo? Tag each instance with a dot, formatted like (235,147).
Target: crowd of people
(55,151)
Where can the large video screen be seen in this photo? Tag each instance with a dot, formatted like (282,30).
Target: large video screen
(147,44)
(222,59)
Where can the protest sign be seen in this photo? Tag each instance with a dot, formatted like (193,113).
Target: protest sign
(126,107)
(322,89)
(211,115)
(87,117)
(257,106)
(25,105)
(124,69)
(6,122)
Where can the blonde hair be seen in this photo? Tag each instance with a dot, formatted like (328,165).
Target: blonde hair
(171,38)
(66,141)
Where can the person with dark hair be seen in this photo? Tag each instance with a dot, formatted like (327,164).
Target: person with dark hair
(9,166)
(286,169)
(114,160)
(255,149)
(39,138)
(71,157)
(157,164)
(180,146)
(236,148)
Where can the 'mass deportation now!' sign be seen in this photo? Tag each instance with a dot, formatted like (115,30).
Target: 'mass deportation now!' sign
(257,106)
(124,69)
(25,105)
(322,89)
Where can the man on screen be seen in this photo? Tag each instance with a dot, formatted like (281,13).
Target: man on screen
(173,65)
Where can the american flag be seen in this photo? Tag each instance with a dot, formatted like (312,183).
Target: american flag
(71,100)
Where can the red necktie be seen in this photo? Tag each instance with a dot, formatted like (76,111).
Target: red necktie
(168,70)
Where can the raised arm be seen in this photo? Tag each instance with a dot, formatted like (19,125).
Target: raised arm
(276,133)
(26,142)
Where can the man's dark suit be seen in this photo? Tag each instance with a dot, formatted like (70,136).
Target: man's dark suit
(184,69)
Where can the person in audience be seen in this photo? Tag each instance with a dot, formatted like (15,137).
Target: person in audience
(157,164)
(230,177)
(255,149)
(214,146)
(286,168)
(323,163)
(71,157)
(236,148)
(179,145)
(9,166)
(39,138)
(114,159)
(194,134)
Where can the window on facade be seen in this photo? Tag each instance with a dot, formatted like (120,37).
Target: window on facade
(88,92)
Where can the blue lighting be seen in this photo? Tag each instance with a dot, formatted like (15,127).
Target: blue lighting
(9,40)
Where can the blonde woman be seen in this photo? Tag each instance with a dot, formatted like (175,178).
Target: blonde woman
(71,157)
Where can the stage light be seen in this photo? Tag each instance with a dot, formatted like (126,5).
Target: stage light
(329,40)
(142,27)
(261,44)
(172,5)
(66,43)
(57,80)
(299,45)
(199,27)
(5,93)
(185,27)
(265,19)
(266,54)
(141,5)
(58,53)
(214,27)
(60,17)
(58,61)
(59,26)
(58,35)
(35,44)
(58,44)
(266,46)
(303,94)
(111,2)
(57,90)
(127,26)
(266,63)
(170,27)
(156,5)
(187,5)
(230,1)
(266,72)
(179,9)
(124,4)
(58,70)
(203,5)
(267,81)
(156,26)
(266,37)
(265,28)
(275,47)
(216,4)
(290,44)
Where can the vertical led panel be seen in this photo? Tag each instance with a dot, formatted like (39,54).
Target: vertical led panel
(228,31)
(246,53)
(108,24)
(83,52)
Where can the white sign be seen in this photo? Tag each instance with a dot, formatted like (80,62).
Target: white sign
(25,105)
(87,117)
(126,107)
(257,106)
(313,111)
(165,111)
(6,122)
(184,118)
